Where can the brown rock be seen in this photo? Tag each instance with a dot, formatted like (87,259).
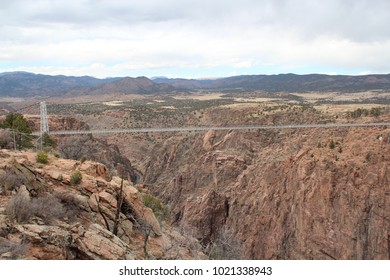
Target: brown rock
(108,198)
(372,178)
(209,215)
(97,243)
(45,242)
(94,169)
(208,140)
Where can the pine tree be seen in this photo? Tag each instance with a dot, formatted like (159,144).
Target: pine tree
(22,131)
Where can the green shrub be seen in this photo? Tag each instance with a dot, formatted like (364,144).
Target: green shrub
(47,141)
(83,159)
(76,177)
(375,112)
(359,113)
(332,145)
(42,157)
(159,210)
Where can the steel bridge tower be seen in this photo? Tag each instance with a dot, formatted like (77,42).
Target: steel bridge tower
(44,122)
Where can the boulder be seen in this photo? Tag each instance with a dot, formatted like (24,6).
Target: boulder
(95,169)
(97,243)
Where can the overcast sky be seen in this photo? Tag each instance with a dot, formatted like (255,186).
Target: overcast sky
(194,38)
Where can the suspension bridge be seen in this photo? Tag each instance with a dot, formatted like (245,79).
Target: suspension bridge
(44,127)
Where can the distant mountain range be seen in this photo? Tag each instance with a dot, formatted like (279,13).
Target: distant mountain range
(24,84)
(286,83)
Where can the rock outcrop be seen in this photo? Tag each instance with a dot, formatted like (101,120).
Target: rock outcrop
(45,215)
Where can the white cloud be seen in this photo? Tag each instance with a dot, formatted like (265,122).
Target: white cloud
(108,38)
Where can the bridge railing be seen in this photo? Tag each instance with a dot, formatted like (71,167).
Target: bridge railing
(206,128)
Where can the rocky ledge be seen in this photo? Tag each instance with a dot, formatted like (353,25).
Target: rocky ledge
(46,213)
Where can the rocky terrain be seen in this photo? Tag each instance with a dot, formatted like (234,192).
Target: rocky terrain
(256,194)
(45,214)
(271,194)
(292,194)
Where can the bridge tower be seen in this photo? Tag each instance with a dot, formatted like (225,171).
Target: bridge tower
(44,122)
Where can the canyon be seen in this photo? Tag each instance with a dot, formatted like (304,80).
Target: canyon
(291,193)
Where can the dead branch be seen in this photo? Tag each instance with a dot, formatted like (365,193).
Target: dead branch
(102,214)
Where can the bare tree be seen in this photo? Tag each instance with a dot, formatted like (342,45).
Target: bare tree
(119,200)
(102,214)
(224,247)
(127,214)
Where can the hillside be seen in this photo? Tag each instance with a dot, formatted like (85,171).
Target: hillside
(140,85)
(23,84)
(46,214)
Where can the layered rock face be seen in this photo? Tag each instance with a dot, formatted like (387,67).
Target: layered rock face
(46,214)
(291,194)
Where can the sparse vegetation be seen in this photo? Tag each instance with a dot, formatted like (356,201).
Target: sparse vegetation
(15,250)
(76,177)
(332,144)
(70,204)
(375,112)
(159,209)
(9,180)
(6,140)
(225,247)
(42,157)
(83,159)
(47,141)
(368,157)
(21,208)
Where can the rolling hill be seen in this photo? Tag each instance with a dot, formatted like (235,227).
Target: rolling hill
(23,84)
(286,83)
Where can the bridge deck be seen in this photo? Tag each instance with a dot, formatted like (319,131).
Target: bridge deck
(206,128)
